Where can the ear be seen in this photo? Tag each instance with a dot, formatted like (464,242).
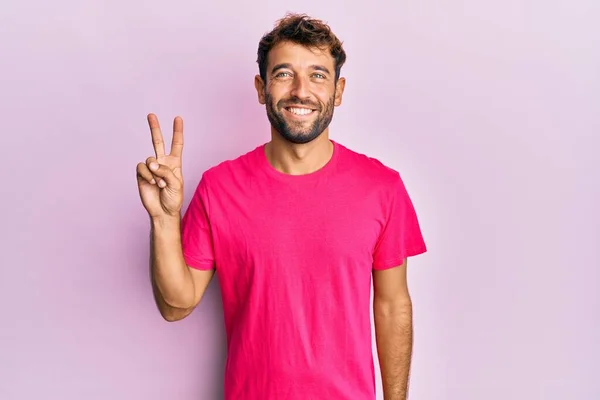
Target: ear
(260,89)
(339,91)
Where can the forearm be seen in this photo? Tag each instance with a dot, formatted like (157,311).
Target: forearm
(394,335)
(170,275)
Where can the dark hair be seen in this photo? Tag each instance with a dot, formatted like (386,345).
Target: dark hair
(304,30)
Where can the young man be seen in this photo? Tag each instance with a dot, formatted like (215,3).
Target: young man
(296,229)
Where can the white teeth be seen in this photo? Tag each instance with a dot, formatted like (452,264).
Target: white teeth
(300,111)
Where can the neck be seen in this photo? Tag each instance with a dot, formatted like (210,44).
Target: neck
(299,159)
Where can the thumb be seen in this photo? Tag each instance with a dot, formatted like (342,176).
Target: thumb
(166,174)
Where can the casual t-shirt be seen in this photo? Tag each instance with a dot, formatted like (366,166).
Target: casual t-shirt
(294,256)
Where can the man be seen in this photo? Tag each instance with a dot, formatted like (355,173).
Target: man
(296,229)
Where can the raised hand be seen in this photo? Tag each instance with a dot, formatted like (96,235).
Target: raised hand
(160,180)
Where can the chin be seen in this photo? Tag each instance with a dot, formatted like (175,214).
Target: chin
(299,138)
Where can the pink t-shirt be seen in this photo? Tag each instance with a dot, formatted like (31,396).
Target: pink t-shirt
(294,256)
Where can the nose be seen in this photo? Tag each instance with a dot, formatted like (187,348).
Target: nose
(300,88)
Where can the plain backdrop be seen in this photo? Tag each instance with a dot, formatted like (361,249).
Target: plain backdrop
(489,110)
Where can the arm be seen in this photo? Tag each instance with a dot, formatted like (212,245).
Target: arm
(392,308)
(177,288)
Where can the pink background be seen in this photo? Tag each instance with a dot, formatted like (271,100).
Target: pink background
(490,110)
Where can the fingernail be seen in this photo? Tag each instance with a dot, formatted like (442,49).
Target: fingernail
(153,181)
(153,166)
(162,183)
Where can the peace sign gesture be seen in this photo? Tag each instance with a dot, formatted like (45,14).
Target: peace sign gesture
(160,181)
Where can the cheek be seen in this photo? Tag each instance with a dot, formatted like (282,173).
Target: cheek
(324,92)
(275,92)
(327,99)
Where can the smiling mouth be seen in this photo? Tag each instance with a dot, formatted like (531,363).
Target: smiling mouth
(300,111)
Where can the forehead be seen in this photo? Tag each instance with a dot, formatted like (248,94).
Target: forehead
(299,56)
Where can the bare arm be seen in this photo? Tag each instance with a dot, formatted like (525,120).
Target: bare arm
(392,308)
(177,287)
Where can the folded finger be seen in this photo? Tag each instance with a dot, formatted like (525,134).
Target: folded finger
(144,173)
(164,172)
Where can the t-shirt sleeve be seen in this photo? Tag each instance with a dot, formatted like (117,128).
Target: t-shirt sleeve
(196,233)
(401,236)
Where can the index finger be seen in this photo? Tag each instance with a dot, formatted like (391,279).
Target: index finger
(157,138)
(177,142)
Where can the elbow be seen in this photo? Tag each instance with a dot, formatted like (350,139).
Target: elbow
(397,309)
(172,316)
(180,302)
(182,298)
(173,309)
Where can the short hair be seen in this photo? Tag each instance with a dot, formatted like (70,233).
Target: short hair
(304,30)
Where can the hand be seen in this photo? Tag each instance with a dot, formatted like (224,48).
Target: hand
(160,181)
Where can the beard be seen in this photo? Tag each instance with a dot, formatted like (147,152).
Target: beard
(298,132)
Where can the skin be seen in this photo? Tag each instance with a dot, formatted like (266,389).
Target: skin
(177,287)
(303,78)
(392,311)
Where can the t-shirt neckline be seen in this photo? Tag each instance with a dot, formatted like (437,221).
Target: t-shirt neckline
(272,171)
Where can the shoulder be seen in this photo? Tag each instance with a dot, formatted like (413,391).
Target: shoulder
(367,167)
(232,169)
(377,179)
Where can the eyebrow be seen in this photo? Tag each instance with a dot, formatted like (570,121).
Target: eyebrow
(289,66)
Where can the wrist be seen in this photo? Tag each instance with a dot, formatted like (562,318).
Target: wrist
(166,221)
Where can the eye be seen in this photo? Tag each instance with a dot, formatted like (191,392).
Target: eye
(282,74)
(320,76)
